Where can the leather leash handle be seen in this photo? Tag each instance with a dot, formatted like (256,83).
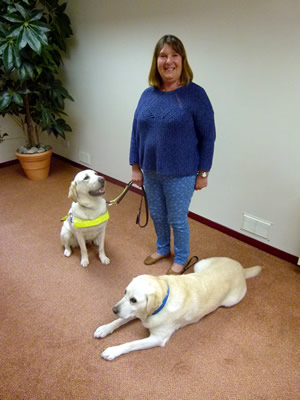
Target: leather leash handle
(192,261)
(138,217)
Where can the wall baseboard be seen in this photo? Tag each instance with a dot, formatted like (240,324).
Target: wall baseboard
(246,239)
(8,163)
(237,235)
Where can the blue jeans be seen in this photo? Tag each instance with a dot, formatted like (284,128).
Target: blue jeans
(169,200)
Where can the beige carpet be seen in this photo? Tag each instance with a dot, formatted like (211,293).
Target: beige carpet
(50,307)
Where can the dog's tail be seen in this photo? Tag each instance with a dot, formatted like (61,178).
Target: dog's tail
(252,271)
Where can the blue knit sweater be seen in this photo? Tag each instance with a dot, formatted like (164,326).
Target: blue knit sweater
(173,132)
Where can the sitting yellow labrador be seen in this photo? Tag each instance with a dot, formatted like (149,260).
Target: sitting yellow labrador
(87,217)
(167,303)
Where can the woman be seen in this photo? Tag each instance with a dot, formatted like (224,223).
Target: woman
(172,146)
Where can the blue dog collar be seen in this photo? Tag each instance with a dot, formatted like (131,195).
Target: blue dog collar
(163,303)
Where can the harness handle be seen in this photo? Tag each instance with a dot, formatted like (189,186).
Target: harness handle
(121,196)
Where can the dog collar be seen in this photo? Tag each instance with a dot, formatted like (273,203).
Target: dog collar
(87,223)
(163,303)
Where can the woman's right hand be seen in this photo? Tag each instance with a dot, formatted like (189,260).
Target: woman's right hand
(137,175)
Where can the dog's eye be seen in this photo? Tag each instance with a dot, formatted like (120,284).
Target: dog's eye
(132,300)
(86,178)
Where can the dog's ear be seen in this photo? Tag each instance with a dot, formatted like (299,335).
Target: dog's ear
(73,192)
(153,303)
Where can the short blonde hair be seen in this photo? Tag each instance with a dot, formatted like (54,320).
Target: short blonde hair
(176,44)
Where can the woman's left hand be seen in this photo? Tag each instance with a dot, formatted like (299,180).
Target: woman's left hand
(201,183)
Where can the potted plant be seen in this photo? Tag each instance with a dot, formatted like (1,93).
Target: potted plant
(33,35)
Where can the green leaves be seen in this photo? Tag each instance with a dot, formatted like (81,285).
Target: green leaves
(33,34)
(22,11)
(8,98)
(27,28)
(26,71)
(14,18)
(8,57)
(49,123)
(58,94)
(5,100)
(18,99)
(60,127)
(30,37)
(2,136)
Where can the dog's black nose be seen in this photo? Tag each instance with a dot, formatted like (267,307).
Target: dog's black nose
(115,310)
(101,180)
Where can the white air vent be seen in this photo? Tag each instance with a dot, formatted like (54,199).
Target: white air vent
(257,226)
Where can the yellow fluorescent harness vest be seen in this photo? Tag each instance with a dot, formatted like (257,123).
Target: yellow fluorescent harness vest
(87,223)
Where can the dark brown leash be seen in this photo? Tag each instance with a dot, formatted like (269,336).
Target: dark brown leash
(192,261)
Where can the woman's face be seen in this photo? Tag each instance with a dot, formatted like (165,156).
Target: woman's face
(169,64)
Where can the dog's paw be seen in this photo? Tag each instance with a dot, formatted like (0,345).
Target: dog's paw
(67,252)
(111,353)
(102,331)
(104,260)
(84,262)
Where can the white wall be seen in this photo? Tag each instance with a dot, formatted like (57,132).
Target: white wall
(244,53)
(11,142)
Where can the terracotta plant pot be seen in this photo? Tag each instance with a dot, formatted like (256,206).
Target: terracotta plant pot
(36,166)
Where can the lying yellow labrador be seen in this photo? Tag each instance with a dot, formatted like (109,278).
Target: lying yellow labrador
(167,303)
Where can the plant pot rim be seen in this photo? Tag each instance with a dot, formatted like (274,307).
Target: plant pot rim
(33,154)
